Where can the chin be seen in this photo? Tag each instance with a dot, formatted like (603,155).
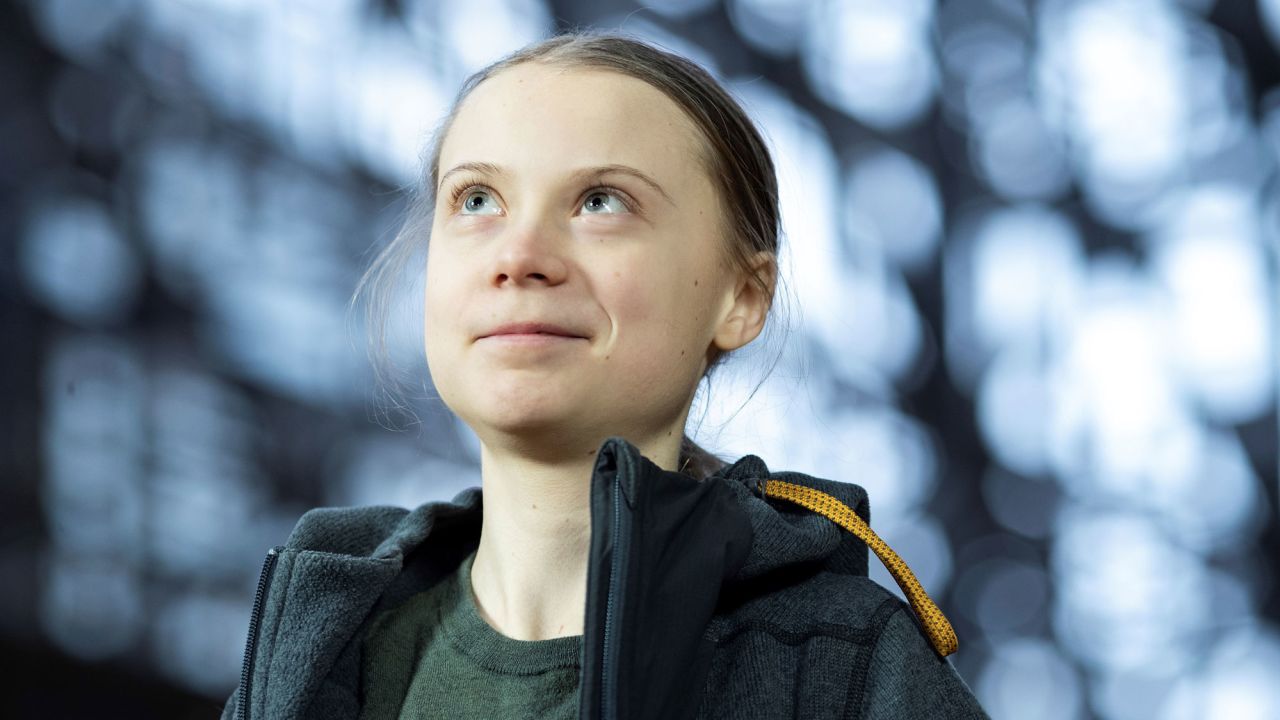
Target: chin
(523,423)
(533,436)
(536,413)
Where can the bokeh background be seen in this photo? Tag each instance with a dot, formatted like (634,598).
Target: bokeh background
(1031,255)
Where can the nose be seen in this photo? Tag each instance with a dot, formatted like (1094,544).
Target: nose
(531,253)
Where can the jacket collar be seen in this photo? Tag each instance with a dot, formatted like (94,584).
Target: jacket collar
(781,534)
(667,552)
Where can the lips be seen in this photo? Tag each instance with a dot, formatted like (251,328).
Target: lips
(531,328)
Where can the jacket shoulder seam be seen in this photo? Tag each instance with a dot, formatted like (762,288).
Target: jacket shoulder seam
(862,664)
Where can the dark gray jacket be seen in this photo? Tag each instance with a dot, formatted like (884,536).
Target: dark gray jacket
(704,599)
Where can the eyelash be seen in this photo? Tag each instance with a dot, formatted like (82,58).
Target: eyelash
(466,185)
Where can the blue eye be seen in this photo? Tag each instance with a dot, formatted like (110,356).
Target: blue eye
(478,202)
(603,203)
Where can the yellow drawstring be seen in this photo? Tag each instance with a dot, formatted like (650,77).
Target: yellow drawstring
(936,626)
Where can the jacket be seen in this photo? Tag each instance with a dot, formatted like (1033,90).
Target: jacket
(705,599)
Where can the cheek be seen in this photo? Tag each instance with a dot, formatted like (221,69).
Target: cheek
(439,316)
(660,324)
(439,292)
(433,296)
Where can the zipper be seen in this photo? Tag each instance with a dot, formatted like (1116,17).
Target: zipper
(621,547)
(251,644)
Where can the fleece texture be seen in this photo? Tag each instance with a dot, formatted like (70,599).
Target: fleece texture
(705,600)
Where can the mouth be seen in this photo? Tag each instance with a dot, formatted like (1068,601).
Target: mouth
(532,330)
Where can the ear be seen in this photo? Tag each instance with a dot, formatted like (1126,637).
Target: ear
(749,304)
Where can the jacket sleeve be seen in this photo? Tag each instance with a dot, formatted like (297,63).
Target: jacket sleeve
(907,680)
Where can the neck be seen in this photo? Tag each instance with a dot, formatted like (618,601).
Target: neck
(529,576)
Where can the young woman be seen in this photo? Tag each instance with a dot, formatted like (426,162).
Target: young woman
(603,231)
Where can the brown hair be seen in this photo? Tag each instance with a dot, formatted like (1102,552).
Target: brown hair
(733,154)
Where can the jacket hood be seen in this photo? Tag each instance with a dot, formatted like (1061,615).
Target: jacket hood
(786,535)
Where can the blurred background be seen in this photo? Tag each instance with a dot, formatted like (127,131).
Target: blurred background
(1033,292)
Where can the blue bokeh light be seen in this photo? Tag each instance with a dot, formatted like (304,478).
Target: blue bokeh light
(1031,264)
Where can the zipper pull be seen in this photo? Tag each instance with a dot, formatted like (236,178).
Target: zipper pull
(757,487)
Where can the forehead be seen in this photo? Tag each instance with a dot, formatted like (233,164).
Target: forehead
(540,116)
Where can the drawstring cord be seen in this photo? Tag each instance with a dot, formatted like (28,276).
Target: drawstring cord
(936,626)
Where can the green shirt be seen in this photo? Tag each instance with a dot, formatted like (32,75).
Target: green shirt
(435,657)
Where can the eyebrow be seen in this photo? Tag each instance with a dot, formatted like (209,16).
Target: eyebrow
(482,168)
(594,171)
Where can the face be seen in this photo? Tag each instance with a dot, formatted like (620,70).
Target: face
(575,199)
